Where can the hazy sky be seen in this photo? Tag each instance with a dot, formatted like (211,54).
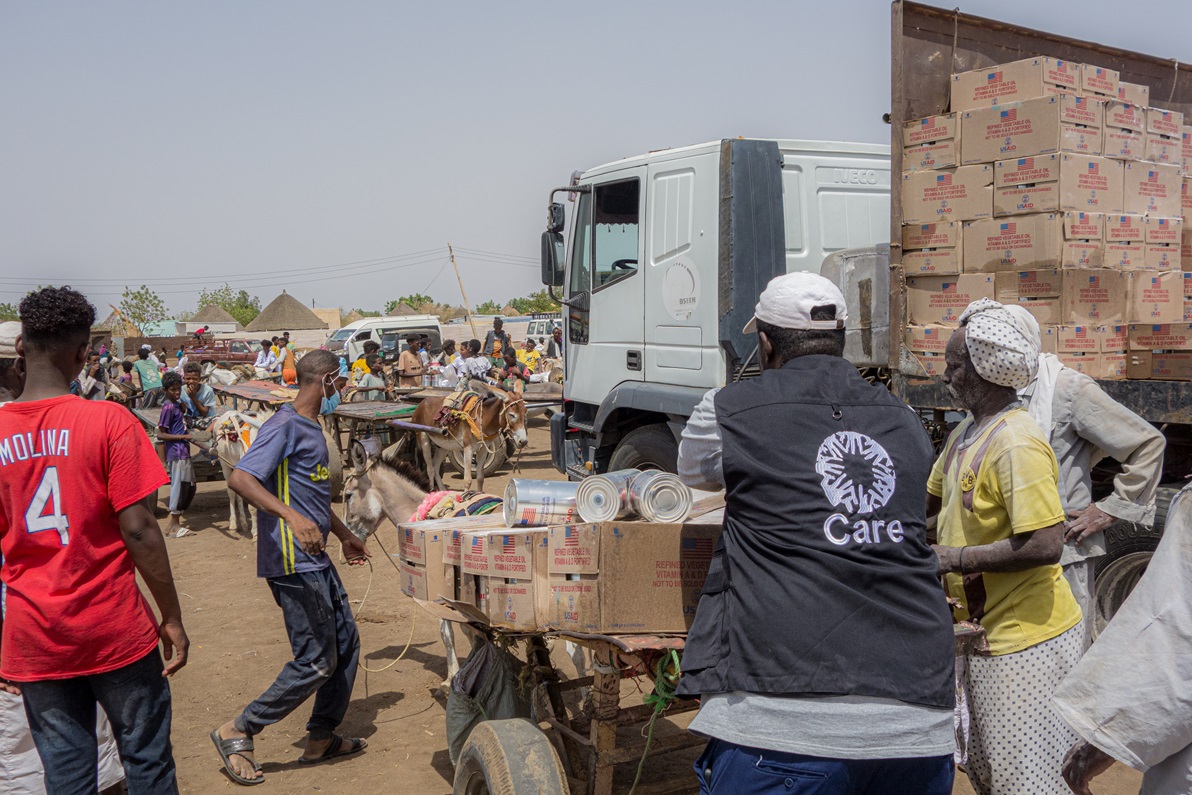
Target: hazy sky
(178,144)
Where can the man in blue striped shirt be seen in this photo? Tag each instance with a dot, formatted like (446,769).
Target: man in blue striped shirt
(285,475)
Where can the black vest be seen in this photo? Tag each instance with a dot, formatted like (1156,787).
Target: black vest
(823,583)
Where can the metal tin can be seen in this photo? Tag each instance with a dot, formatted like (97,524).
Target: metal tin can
(538,503)
(659,497)
(605,498)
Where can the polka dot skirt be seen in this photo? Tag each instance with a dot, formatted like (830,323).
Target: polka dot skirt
(1017,742)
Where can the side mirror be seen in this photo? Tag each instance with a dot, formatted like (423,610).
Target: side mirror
(555,218)
(552,259)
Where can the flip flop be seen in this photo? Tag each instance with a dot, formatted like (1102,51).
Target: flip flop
(336,748)
(232,747)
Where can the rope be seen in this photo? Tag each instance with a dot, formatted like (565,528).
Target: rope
(666,680)
(360,609)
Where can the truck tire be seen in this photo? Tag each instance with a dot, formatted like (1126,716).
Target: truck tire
(509,757)
(651,447)
(1129,550)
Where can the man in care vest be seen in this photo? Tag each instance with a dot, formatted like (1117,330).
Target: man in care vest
(822,648)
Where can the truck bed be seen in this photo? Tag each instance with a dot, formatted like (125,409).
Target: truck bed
(928,45)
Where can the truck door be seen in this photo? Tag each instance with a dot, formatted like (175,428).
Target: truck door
(604,292)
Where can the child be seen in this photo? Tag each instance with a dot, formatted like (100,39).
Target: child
(514,375)
(127,377)
(529,355)
(372,385)
(171,429)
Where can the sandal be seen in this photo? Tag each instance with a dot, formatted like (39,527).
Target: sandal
(236,746)
(336,748)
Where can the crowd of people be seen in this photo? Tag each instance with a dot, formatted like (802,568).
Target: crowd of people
(840,517)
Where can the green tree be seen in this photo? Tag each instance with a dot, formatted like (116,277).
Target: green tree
(142,307)
(238,304)
(415,301)
(366,312)
(535,302)
(488,308)
(9,312)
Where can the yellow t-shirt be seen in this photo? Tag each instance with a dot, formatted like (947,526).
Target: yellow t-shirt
(529,359)
(359,370)
(1000,483)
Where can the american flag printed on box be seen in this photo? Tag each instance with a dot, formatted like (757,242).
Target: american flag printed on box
(570,536)
(1009,229)
(943,179)
(1010,114)
(697,548)
(1094,168)
(993,77)
(508,545)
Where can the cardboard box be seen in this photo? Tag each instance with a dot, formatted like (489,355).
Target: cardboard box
(1187,284)
(1092,184)
(1161,257)
(474,557)
(931,248)
(931,142)
(1124,256)
(513,604)
(1049,339)
(1125,116)
(1114,339)
(1151,189)
(1186,149)
(1050,183)
(1021,129)
(514,554)
(1046,311)
(1113,366)
(1087,363)
(1160,366)
(933,364)
(1163,149)
(1186,247)
(928,339)
(1162,230)
(1098,80)
(419,544)
(1094,297)
(939,300)
(1164,122)
(1012,82)
(1134,93)
(1159,336)
(1138,365)
(1019,285)
(954,194)
(1155,297)
(427,582)
(1186,201)
(1027,242)
(642,577)
(1119,144)
(1078,339)
(1187,309)
(1084,240)
(1125,228)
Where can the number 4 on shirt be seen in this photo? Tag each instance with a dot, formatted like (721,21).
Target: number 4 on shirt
(48,495)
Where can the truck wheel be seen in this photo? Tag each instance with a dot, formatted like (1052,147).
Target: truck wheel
(651,447)
(493,459)
(1130,547)
(508,757)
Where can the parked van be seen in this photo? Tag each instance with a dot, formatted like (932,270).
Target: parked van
(390,333)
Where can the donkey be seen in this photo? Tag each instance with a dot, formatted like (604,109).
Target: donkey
(388,488)
(497,413)
(232,433)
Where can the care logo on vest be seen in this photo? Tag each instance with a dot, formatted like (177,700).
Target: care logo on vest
(321,473)
(857,476)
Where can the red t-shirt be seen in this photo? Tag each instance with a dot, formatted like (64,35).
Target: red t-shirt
(67,467)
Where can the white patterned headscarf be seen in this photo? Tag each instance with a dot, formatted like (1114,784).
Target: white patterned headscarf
(1003,349)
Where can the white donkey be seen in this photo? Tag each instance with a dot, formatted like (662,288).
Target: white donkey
(232,434)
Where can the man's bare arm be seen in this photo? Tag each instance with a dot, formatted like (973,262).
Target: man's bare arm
(147,548)
(305,530)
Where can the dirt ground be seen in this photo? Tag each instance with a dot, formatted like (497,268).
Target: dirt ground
(238,645)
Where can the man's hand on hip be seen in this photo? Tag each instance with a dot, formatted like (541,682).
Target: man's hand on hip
(1085,523)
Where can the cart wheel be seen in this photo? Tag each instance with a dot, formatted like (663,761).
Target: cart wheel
(493,459)
(509,757)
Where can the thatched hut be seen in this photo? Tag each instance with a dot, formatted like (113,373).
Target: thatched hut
(286,313)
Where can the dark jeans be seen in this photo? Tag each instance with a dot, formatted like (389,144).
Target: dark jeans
(326,647)
(727,769)
(62,719)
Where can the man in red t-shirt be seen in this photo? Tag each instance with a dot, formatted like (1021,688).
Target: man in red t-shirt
(74,530)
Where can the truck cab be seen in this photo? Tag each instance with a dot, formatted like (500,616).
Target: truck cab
(665,257)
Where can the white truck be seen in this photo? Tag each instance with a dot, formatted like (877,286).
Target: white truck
(389,332)
(666,257)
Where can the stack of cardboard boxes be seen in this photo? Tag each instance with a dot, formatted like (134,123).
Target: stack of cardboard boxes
(1055,186)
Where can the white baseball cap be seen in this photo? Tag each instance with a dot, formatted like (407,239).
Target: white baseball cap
(9,331)
(788,300)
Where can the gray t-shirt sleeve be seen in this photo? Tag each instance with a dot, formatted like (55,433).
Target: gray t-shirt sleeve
(700,465)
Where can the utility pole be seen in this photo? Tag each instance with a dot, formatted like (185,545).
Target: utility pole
(467,304)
